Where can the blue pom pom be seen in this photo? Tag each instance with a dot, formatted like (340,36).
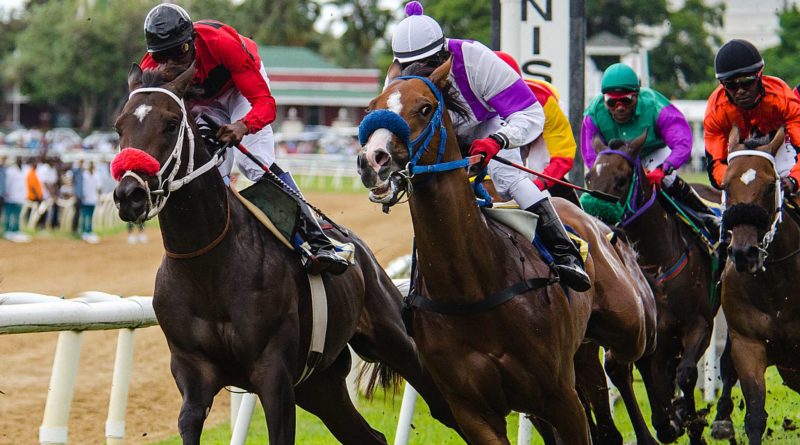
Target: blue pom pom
(413,8)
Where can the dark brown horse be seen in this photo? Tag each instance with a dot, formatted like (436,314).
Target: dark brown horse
(234,303)
(496,331)
(683,268)
(759,294)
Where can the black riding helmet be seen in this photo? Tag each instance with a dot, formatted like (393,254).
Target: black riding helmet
(167,26)
(737,58)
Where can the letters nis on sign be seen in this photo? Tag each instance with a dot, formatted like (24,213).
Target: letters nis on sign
(544,42)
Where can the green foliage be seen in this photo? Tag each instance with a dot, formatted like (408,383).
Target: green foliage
(784,60)
(365,23)
(684,57)
(619,17)
(463,19)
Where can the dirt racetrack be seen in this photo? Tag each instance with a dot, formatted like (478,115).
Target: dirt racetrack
(60,266)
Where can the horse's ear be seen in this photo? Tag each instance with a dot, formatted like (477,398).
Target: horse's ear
(637,144)
(182,82)
(394,71)
(440,75)
(598,144)
(733,139)
(777,142)
(134,77)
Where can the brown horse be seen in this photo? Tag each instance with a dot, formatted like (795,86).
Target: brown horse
(234,303)
(759,296)
(492,324)
(683,268)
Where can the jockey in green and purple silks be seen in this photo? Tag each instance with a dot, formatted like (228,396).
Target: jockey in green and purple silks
(624,110)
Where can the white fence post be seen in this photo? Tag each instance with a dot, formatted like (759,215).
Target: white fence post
(62,383)
(406,415)
(243,417)
(120,382)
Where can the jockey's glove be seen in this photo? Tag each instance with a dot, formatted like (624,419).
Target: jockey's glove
(488,147)
(656,176)
(209,136)
(789,185)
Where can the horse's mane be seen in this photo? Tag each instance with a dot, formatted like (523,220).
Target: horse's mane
(449,93)
(616,144)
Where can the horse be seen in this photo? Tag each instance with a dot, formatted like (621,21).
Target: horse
(683,268)
(758,295)
(235,304)
(492,323)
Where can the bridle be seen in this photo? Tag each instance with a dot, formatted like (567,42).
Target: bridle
(389,120)
(632,210)
(157,198)
(778,215)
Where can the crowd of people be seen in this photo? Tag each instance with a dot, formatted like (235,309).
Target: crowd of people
(45,193)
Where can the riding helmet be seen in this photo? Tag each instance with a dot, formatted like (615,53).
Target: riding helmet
(417,36)
(737,58)
(619,78)
(167,26)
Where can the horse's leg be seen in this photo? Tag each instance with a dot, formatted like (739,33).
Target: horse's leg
(750,359)
(622,377)
(591,381)
(545,430)
(275,387)
(695,342)
(479,425)
(566,414)
(325,395)
(722,428)
(198,382)
(659,383)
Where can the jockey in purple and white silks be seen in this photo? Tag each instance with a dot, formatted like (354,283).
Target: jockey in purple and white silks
(502,114)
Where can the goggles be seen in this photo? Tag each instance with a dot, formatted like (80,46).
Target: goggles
(741,82)
(613,100)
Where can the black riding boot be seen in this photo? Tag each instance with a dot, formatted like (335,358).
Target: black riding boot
(567,258)
(323,257)
(684,193)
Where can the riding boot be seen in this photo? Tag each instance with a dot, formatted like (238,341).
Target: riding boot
(684,193)
(322,257)
(567,258)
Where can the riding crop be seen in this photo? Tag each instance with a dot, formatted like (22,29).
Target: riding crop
(595,193)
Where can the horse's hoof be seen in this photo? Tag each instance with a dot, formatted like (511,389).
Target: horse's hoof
(670,434)
(722,429)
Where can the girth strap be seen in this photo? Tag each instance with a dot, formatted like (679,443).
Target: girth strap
(419,302)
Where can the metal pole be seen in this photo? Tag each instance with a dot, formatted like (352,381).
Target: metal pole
(242,425)
(120,382)
(495,25)
(524,432)
(406,415)
(577,43)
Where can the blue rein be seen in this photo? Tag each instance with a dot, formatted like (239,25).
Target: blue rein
(631,211)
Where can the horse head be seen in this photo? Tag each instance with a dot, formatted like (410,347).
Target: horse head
(612,172)
(404,127)
(153,128)
(752,197)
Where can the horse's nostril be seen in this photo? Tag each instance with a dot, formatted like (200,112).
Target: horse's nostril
(381,158)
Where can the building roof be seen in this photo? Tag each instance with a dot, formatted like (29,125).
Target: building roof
(299,76)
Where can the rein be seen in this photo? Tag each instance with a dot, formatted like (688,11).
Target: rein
(168,184)
(632,210)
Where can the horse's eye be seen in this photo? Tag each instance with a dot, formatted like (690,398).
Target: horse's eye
(426,110)
(771,187)
(171,127)
(621,182)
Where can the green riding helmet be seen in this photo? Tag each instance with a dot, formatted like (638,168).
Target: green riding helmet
(619,77)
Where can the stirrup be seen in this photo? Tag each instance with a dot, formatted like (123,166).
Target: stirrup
(324,261)
(574,277)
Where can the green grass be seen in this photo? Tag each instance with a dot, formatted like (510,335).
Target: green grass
(382,414)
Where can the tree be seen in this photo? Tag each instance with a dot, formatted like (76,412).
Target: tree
(784,60)
(684,57)
(365,26)
(463,19)
(620,17)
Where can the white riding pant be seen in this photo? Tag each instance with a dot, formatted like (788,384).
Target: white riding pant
(655,159)
(228,108)
(785,159)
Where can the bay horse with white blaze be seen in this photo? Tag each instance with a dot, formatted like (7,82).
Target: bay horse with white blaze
(233,302)
(682,265)
(759,294)
(493,325)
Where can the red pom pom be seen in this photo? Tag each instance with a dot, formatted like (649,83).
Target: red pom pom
(413,8)
(133,159)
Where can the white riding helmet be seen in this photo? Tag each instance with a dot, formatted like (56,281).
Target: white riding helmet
(417,36)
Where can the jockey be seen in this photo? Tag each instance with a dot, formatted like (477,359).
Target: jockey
(756,104)
(553,153)
(624,110)
(502,114)
(235,92)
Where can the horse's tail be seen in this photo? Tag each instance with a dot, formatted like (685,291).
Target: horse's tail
(378,374)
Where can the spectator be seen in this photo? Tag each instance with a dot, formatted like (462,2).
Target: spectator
(91,191)
(77,187)
(2,185)
(15,193)
(133,238)
(48,177)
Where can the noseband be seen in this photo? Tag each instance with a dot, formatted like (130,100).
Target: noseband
(157,199)
(389,120)
(778,215)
